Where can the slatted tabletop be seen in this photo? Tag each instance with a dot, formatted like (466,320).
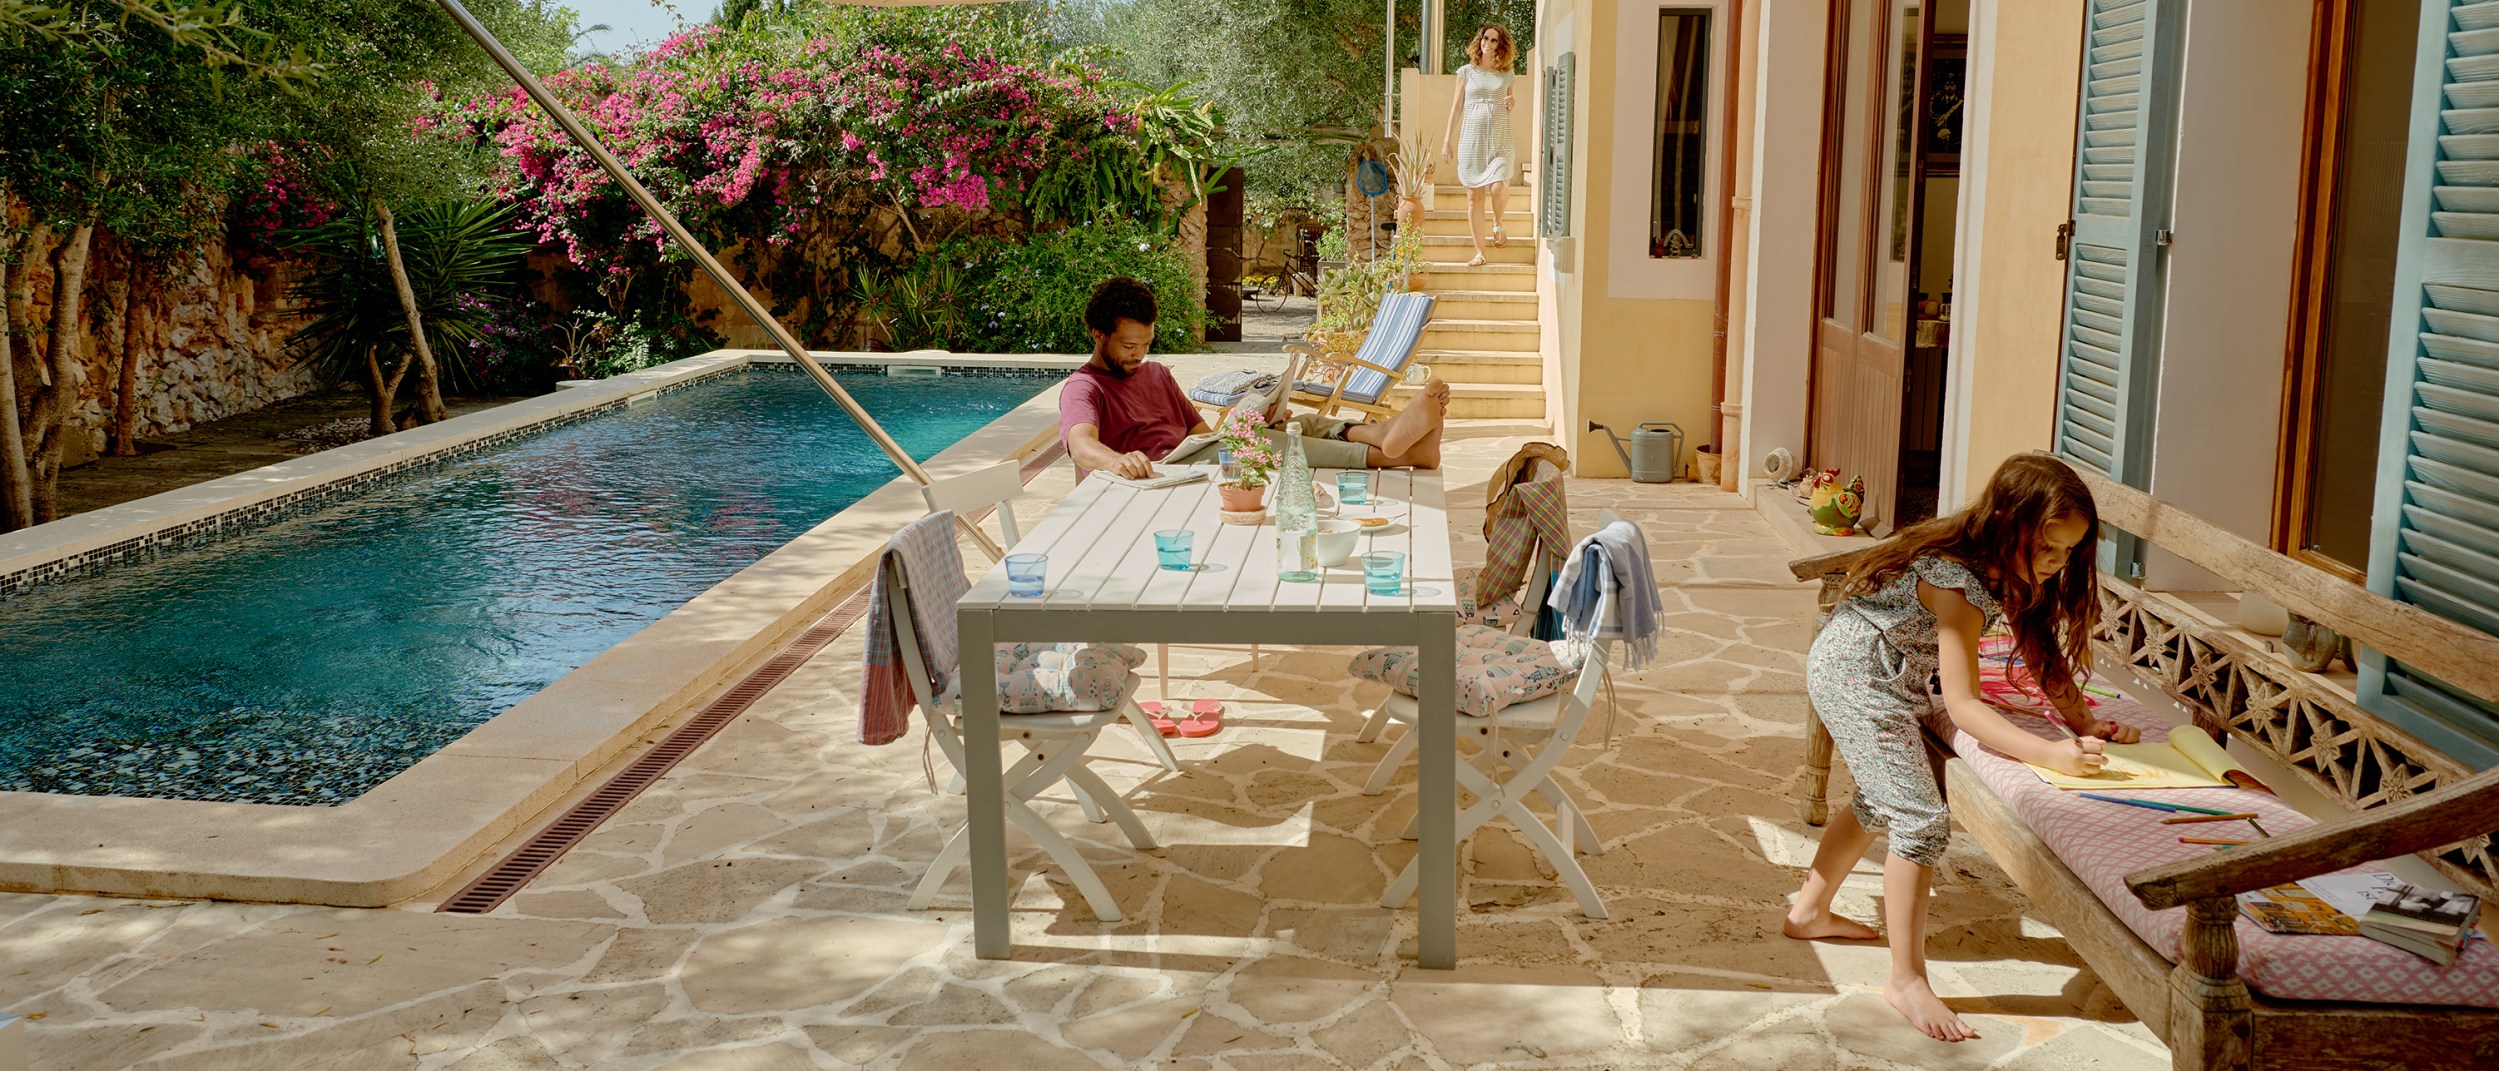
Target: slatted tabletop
(1100,541)
(1104,583)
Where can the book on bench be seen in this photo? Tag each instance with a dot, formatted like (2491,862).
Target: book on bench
(2428,923)
(2189,760)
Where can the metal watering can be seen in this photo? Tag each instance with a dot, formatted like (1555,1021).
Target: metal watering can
(1655,453)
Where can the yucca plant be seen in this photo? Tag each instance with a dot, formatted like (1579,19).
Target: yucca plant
(359,324)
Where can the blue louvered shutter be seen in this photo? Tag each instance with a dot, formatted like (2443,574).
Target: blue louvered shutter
(2435,530)
(2125,140)
(1553,163)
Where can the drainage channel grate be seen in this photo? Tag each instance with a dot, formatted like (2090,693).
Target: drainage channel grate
(514,872)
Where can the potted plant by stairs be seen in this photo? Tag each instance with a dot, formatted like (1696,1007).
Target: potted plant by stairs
(1252,463)
(1412,164)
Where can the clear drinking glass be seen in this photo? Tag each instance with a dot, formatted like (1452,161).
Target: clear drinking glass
(1024,573)
(1384,572)
(1353,487)
(1171,547)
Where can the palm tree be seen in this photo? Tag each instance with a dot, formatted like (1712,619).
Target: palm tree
(363,299)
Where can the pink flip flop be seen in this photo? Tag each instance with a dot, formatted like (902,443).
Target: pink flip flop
(1206,716)
(1154,713)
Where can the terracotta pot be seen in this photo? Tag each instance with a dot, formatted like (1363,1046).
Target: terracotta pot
(1237,499)
(1409,208)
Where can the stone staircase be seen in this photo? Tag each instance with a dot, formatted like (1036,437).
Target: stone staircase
(1483,334)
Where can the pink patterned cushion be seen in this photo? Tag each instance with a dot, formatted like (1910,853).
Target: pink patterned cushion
(2104,842)
(1494,669)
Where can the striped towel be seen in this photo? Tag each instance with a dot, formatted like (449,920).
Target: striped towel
(1618,550)
(1226,388)
(1526,526)
(925,549)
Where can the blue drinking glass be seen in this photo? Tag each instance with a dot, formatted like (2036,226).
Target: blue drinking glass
(1384,572)
(1024,573)
(1353,487)
(1171,548)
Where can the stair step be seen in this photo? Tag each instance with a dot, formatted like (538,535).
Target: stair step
(1491,278)
(1514,215)
(1454,249)
(1507,297)
(1492,327)
(1488,367)
(1481,401)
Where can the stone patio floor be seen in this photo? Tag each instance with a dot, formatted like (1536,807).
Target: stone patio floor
(747,912)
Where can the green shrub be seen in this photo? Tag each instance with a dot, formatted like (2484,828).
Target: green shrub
(991,295)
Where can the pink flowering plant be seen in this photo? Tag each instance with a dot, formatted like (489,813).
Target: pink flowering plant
(752,137)
(1240,432)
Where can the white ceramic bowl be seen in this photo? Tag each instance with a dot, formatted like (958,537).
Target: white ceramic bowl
(1336,541)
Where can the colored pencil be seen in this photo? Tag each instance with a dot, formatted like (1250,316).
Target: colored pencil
(2152,805)
(2185,818)
(2208,840)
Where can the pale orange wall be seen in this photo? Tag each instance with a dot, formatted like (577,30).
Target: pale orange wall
(2011,340)
(1624,360)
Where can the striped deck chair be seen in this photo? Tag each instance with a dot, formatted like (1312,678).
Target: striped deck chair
(1396,332)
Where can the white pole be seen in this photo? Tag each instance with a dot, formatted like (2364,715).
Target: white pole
(1388,74)
(1435,19)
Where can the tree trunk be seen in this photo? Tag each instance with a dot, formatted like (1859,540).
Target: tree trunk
(383,390)
(65,362)
(429,379)
(17,504)
(126,394)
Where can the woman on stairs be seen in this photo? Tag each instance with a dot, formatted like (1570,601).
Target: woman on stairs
(1478,137)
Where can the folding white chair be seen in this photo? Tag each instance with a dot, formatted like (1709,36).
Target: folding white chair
(1530,738)
(995,488)
(1054,751)
(1531,599)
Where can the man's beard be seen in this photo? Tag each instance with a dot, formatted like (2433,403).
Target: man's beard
(1112,368)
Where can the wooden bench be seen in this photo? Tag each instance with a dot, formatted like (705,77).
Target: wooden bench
(2406,798)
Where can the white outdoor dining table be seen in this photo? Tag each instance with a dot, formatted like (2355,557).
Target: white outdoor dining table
(1103,585)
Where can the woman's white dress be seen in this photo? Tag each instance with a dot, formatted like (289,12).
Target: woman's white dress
(1486,154)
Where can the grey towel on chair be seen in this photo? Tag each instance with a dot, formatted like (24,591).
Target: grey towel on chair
(1226,388)
(1621,550)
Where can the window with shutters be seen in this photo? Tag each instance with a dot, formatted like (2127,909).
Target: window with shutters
(2436,524)
(2344,291)
(1553,165)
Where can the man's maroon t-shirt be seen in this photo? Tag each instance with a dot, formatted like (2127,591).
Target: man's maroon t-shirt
(1144,412)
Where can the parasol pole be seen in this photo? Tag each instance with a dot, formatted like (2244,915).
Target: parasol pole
(729,284)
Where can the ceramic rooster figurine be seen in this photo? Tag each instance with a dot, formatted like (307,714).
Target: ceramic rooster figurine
(1835,510)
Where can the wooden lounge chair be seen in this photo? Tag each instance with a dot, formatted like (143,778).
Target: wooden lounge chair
(1374,370)
(2410,799)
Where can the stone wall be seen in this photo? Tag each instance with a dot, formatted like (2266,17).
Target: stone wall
(210,331)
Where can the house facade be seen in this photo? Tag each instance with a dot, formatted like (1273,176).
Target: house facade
(2241,254)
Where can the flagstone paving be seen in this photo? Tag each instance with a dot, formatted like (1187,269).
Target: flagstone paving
(747,912)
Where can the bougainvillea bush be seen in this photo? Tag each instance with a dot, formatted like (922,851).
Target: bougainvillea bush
(806,158)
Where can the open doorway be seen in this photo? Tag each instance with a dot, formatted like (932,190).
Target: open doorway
(1942,86)
(1890,194)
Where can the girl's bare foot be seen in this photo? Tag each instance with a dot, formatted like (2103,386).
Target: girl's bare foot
(1916,1001)
(1826,925)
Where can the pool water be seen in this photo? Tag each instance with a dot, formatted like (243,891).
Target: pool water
(308,659)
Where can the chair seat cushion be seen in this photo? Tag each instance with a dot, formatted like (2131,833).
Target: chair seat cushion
(1501,613)
(2103,842)
(1494,670)
(1045,678)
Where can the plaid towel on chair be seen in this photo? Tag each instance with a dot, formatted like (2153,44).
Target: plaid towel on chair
(1526,523)
(928,555)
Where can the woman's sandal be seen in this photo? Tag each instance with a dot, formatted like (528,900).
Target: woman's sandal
(1154,714)
(1206,716)
(1477,262)
(1499,240)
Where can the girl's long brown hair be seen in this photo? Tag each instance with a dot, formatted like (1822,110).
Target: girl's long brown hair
(1499,64)
(1997,537)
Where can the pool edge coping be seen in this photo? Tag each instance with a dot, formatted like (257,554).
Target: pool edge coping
(424,826)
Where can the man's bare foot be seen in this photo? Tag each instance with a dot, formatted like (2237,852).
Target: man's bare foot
(1916,1001)
(1826,925)
(1419,419)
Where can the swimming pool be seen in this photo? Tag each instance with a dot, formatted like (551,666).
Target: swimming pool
(307,657)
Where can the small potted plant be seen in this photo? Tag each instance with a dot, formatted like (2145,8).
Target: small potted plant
(1412,164)
(1254,461)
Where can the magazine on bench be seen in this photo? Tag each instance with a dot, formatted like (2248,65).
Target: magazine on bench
(2189,760)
